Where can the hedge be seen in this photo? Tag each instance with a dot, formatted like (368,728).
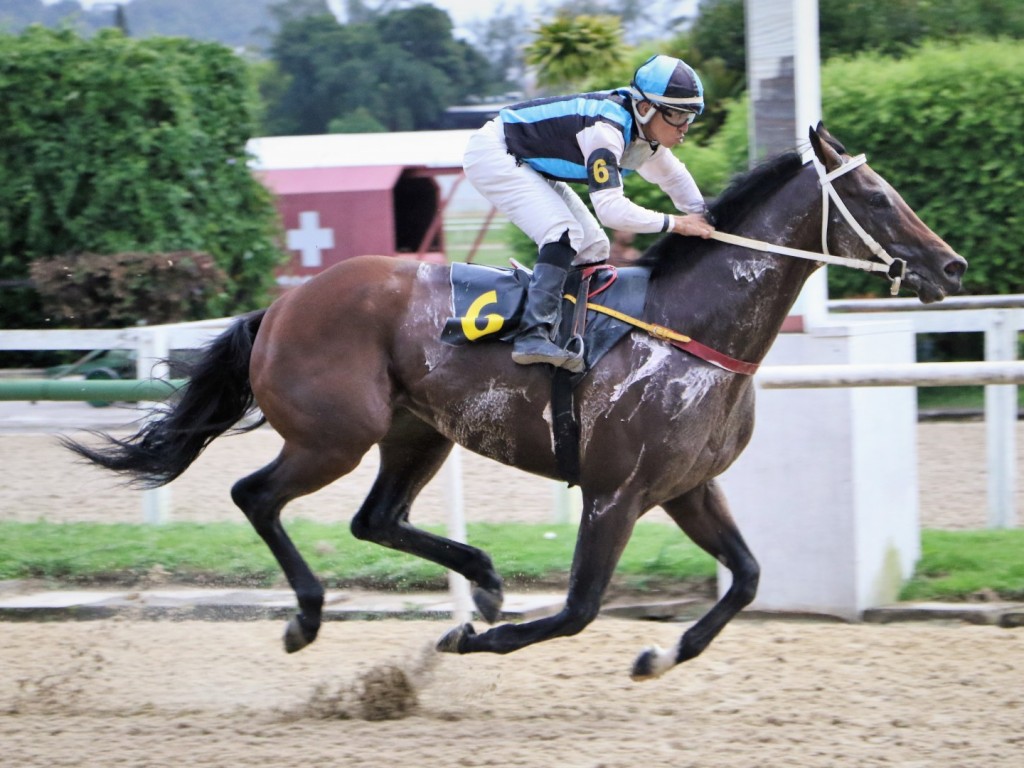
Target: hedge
(946,127)
(115,145)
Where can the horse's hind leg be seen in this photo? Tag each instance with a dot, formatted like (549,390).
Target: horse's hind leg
(410,455)
(261,496)
(703,514)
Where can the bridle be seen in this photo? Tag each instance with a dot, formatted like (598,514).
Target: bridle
(894,268)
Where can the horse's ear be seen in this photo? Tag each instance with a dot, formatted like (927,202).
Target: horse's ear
(822,144)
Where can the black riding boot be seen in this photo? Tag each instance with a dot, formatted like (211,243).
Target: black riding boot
(543,311)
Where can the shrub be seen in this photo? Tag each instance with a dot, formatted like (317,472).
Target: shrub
(945,126)
(98,290)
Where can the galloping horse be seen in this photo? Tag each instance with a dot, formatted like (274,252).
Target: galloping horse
(352,359)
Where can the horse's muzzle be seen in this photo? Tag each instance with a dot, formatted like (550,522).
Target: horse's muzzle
(934,274)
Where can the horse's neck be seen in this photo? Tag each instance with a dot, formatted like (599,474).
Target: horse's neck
(736,299)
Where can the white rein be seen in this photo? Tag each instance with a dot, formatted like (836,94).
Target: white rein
(893,268)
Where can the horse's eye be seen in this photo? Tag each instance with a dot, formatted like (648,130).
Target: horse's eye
(879,200)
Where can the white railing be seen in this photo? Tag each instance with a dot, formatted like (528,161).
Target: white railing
(152,343)
(1001,319)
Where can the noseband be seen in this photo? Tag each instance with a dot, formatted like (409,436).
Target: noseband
(893,268)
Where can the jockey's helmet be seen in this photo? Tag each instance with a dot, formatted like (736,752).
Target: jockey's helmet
(669,84)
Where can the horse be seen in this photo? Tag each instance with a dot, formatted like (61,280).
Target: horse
(352,359)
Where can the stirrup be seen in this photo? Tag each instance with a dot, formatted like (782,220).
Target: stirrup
(551,354)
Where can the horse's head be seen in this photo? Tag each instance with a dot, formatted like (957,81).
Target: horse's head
(934,270)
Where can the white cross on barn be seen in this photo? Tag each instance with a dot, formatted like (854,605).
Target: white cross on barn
(310,238)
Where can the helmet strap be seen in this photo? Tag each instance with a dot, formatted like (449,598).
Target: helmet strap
(643,119)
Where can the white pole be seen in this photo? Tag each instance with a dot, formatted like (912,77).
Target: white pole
(784,87)
(458,587)
(1000,426)
(151,362)
(813,300)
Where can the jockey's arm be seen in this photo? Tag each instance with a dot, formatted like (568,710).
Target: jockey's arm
(603,148)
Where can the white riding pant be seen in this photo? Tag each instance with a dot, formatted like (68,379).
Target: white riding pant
(542,208)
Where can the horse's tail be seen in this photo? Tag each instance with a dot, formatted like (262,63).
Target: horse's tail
(216,398)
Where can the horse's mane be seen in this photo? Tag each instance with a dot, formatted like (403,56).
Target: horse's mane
(743,192)
(729,208)
(748,189)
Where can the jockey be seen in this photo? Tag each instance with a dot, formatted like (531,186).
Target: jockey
(521,160)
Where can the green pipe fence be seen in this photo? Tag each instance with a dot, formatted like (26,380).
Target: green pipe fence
(113,390)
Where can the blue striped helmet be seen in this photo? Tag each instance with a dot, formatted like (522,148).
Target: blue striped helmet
(669,82)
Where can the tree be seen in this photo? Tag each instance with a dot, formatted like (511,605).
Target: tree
(641,19)
(116,145)
(566,50)
(402,69)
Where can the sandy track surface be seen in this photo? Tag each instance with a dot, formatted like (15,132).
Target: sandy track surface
(767,693)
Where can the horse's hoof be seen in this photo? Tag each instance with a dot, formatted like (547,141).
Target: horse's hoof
(455,640)
(651,663)
(296,636)
(488,602)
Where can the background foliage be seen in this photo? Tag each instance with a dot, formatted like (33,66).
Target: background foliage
(398,72)
(852,27)
(95,290)
(945,126)
(136,146)
(567,49)
(117,145)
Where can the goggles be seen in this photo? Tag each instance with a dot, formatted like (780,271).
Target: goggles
(677,118)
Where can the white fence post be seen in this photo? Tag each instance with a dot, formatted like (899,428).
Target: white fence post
(151,363)
(458,587)
(1001,425)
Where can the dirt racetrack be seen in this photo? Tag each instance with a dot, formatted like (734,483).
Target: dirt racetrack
(767,693)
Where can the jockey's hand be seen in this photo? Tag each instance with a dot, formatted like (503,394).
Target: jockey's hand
(693,224)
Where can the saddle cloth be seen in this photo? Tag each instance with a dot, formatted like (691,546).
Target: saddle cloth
(487,303)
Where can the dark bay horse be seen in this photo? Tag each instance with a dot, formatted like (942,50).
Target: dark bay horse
(352,359)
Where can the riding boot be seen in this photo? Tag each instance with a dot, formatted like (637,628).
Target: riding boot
(543,311)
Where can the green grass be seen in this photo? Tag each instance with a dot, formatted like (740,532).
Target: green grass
(231,553)
(955,565)
(956,398)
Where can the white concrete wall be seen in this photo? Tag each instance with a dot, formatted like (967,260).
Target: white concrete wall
(826,492)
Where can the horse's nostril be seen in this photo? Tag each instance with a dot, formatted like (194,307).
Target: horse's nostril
(956,267)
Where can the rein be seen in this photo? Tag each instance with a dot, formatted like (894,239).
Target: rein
(893,268)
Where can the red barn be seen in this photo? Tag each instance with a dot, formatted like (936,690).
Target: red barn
(343,195)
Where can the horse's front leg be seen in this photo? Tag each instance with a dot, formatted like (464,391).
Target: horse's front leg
(604,530)
(703,514)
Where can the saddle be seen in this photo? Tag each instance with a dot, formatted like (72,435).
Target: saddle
(488,303)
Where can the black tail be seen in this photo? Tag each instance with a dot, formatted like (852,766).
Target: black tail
(217,396)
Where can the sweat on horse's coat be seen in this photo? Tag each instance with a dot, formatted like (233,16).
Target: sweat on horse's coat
(352,359)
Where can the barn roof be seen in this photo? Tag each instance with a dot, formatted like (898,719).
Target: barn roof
(439,150)
(294,181)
